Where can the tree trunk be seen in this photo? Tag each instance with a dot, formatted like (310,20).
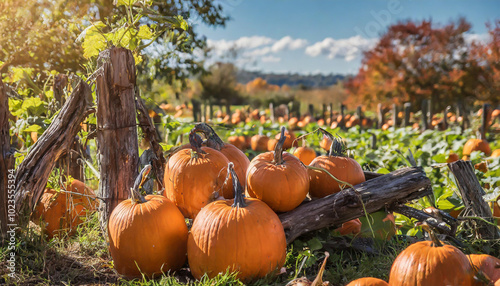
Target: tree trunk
(34,171)
(399,186)
(472,196)
(117,145)
(6,163)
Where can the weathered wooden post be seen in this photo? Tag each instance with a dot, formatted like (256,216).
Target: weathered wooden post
(196,110)
(380,116)
(210,110)
(310,109)
(425,109)
(359,113)
(117,145)
(271,111)
(6,163)
(429,113)
(407,107)
(445,117)
(324,114)
(330,106)
(342,114)
(394,115)
(484,120)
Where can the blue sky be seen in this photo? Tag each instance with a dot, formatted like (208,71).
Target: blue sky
(311,36)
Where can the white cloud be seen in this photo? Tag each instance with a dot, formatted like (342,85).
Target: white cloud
(220,47)
(481,38)
(270,59)
(288,43)
(347,49)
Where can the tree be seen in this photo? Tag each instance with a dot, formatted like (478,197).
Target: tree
(220,84)
(414,61)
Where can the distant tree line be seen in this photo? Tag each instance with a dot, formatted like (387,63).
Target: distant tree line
(290,79)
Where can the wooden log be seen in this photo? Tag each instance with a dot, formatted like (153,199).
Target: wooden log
(437,222)
(118,150)
(6,164)
(151,135)
(399,186)
(407,110)
(34,171)
(472,196)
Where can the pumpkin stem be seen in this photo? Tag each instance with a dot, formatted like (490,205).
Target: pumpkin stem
(432,234)
(239,198)
(213,140)
(195,141)
(278,149)
(319,278)
(135,195)
(338,146)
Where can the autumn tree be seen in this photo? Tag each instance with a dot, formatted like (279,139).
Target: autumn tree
(415,61)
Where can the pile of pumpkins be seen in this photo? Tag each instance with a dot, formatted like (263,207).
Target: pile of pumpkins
(206,180)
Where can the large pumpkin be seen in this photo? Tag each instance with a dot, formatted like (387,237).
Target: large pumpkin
(232,153)
(476,145)
(341,167)
(487,264)
(241,234)
(431,263)
(305,154)
(368,281)
(195,177)
(147,235)
(278,178)
(62,211)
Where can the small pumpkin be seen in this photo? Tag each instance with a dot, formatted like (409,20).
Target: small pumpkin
(305,154)
(487,264)
(495,153)
(195,177)
(278,178)
(241,234)
(62,211)
(431,263)
(474,144)
(259,142)
(147,235)
(326,143)
(368,281)
(350,227)
(232,153)
(343,168)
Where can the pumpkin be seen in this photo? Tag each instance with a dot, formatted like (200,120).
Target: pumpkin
(495,153)
(453,157)
(481,166)
(238,141)
(318,281)
(343,168)
(290,140)
(368,281)
(305,154)
(431,263)
(241,234)
(271,144)
(147,235)
(232,153)
(195,177)
(486,264)
(278,178)
(61,212)
(476,145)
(326,143)
(259,142)
(495,209)
(350,227)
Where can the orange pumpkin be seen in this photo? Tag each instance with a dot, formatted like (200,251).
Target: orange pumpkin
(195,177)
(305,154)
(453,157)
(271,144)
(290,140)
(495,209)
(259,143)
(487,264)
(476,145)
(368,281)
(326,143)
(147,235)
(232,153)
(343,168)
(238,141)
(279,179)
(431,263)
(224,236)
(350,227)
(495,153)
(61,212)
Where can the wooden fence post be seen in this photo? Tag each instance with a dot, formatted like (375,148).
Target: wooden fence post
(359,113)
(196,110)
(394,115)
(484,121)
(6,163)
(425,108)
(271,111)
(324,114)
(311,110)
(380,116)
(407,108)
(429,113)
(330,106)
(342,113)
(118,151)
